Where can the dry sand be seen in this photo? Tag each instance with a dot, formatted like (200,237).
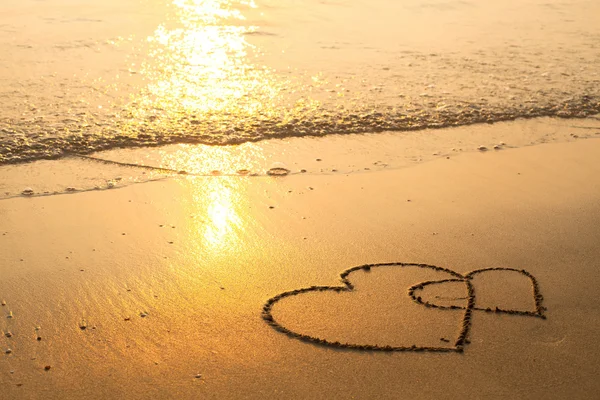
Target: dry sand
(169,279)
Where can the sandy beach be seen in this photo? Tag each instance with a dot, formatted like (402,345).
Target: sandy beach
(316,199)
(157,289)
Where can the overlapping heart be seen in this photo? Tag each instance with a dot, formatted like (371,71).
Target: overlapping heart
(414,293)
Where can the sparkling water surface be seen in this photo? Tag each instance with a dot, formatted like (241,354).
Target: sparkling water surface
(78,77)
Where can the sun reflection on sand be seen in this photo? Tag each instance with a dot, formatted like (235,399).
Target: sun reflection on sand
(218,201)
(222,228)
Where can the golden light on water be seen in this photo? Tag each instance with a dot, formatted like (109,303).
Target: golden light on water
(198,77)
(200,65)
(215,160)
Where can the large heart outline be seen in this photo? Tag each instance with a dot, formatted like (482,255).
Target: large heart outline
(466,321)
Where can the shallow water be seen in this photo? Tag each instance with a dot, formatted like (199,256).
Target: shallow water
(78,78)
(335,155)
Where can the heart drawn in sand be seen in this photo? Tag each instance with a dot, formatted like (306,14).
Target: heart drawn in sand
(419,294)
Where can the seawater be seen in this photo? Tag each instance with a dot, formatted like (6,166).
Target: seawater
(79,77)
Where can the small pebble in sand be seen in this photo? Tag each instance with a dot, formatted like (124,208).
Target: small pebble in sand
(303,170)
(318,159)
(497,147)
(278,169)
(10,315)
(83,325)
(198,376)
(3,302)
(126,319)
(47,367)
(144,314)
(27,191)
(70,189)
(8,334)
(271,207)
(482,148)
(8,351)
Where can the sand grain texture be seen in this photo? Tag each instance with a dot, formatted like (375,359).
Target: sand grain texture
(170,278)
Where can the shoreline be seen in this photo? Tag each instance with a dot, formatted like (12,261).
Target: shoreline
(332,154)
(130,142)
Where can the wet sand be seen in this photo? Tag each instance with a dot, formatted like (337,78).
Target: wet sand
(157,290)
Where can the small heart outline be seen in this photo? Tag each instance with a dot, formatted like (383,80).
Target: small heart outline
(349,287)
(539,309)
